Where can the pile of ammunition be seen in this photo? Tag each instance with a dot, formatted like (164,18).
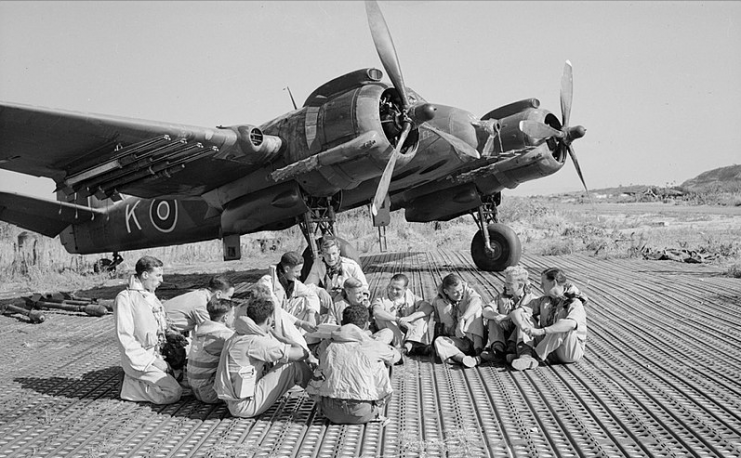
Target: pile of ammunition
(57,301)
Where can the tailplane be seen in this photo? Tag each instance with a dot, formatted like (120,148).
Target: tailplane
(47,217)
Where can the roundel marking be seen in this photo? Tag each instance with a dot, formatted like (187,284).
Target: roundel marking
(164,214)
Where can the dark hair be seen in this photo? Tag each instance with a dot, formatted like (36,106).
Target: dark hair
(259,309)
(219,307)
(402,278)
(220,283)
(147,264)
(355,314)
(291,259)
(554,274)
(557,275)
(451,280)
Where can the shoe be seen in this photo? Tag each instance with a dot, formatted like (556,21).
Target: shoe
(524,362)
(487,356)
(471,361)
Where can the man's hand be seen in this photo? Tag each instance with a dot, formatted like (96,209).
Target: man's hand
(460,330)
(160,364)
(499,318)
(306,326)
(403,323)
(535,332)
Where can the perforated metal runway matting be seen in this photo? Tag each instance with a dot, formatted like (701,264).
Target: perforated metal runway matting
(661,378)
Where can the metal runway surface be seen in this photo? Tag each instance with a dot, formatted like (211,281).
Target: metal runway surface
(661,378)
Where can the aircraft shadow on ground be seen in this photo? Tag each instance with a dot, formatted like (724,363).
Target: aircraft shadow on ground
(73,388)
(176,284)
(379,263)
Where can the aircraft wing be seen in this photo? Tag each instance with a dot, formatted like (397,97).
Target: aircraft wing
(136,157)
(46,217)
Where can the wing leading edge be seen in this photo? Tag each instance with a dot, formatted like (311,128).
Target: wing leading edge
(63,144)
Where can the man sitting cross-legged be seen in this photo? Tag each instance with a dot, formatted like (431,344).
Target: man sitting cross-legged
(207,346)
(402,312)
(353,383)
(256,368)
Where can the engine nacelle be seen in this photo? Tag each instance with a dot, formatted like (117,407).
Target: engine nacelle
(443,205)
(256,147)
(335,115)
(271,209)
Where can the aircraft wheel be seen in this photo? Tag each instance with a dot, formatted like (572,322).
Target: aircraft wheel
(505,248)
(103,265)
(346,250)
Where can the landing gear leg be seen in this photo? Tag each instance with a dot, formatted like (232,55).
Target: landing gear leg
(495,246)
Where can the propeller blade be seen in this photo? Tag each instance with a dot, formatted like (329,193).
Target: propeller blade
(567,93)
(488,146)
(383,185)
(576,165)
(538,130)
(385,49)
(461,147)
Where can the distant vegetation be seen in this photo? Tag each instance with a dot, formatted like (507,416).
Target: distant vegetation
(721,186)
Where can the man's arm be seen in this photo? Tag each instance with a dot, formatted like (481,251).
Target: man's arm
(315,274)
(475,304)
(379,311)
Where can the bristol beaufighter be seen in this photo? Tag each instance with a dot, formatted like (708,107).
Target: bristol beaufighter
(125,184)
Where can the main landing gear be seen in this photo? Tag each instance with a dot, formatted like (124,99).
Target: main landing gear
(495,246)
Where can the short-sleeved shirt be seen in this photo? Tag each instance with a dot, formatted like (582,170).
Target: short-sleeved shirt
(549,311)
(188,310)
(349,268)
(402,307)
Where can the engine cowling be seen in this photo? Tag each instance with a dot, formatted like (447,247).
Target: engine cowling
(335,115)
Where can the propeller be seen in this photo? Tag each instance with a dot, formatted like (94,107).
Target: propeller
(567,134)
(412,116)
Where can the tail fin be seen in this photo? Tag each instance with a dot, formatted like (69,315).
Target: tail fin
(47,217)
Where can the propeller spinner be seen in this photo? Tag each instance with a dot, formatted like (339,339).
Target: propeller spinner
(567,134)
(416,115)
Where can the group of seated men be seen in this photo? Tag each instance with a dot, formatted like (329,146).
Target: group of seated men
(250,353)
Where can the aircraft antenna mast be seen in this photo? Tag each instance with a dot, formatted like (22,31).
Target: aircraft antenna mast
(292,100)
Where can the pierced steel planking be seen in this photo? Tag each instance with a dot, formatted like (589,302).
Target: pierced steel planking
(660,378)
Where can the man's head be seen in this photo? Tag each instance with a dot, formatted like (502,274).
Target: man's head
(260,309)
(515,280)
(355,292)
(357,315)
(453,287)
(292,263)
(221,287)
(331,251)
(397,287)
(221,310)
(149,271)
(553,282)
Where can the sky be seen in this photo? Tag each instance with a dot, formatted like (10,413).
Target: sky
(656,84)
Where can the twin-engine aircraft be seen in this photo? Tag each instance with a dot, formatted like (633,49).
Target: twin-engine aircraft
(126,184)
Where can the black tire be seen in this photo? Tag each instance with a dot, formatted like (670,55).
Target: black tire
(103,265)
(506,249)
(346,250)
